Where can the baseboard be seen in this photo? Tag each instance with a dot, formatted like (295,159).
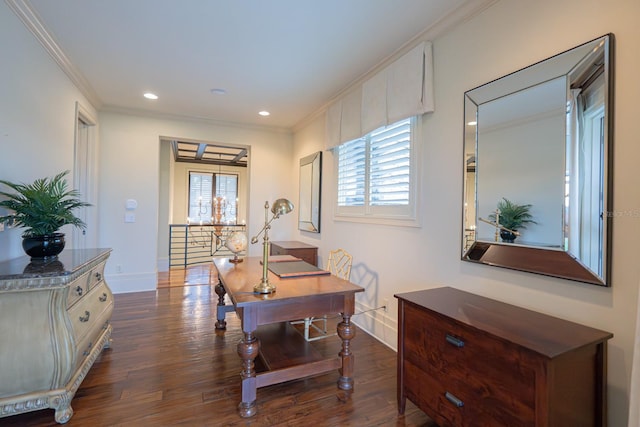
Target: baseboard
(163,264)
(124,283)
(378,324)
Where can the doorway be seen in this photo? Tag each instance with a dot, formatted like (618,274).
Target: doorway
(182,240)
(84,177)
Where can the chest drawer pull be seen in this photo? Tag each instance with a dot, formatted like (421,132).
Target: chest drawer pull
(455,341)
(85,318)
(79,290)
(451,398)
(98,276)
(103,297)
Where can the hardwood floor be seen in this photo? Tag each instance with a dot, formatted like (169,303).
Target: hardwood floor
(169,366)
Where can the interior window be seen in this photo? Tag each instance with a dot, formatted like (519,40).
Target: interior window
(207,205)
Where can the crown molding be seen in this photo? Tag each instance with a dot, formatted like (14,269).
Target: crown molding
(31,20)
(445,24)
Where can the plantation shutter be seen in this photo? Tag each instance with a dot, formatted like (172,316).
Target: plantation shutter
(352,173)
(227,187)
(390,165)
(200,196)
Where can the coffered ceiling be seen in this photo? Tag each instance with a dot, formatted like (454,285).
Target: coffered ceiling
(202,152)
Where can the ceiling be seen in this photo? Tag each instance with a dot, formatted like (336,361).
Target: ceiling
(290,57)
(203,152)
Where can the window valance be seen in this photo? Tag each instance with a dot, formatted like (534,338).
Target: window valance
(401,90)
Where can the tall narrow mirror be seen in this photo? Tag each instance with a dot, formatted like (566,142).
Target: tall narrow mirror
(537,166)
(309,203)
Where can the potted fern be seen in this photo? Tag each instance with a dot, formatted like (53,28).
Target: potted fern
(42,208)
(513,217)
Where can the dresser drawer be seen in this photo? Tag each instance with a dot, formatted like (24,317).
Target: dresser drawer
(454,402)
(472,369)
(88,311)
(85,283)
(87,343)
(95,275)
(78,289)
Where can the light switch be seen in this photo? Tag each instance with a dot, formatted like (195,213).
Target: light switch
(129,217)
(131,204)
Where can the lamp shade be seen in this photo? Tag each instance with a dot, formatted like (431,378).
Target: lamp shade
(281,207)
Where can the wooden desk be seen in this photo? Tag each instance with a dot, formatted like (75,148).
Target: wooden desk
(305,252)
(295,298)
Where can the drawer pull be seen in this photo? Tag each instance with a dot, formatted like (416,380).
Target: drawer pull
(85,318)
(455,341)
(103,297)
(451,398)
(98,276)
(79,290)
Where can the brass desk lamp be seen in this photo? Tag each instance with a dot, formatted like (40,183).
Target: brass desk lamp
(279,207)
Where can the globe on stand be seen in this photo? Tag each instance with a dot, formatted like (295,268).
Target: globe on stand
(236,243)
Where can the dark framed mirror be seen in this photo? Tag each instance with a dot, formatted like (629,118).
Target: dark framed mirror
(537,163)
(310,190)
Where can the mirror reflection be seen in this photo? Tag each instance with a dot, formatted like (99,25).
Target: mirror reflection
(309,202)
(536,167)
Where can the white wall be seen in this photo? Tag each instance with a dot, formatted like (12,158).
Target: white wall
(129,169)
(165,201)
(37,117)
(388,260)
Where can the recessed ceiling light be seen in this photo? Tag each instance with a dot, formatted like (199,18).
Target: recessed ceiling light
(150,95)
(218,91)
(264,113)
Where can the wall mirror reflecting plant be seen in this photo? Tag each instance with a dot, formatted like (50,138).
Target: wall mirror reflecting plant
(310,188)
(540,138)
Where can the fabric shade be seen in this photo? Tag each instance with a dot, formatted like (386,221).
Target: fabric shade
(401,90)
(350,127)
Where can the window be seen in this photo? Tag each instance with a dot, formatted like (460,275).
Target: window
(203,201)
(376,176)
(200,196)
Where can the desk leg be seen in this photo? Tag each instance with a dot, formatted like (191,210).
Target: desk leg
(221,309)
(248,349)
(346,332)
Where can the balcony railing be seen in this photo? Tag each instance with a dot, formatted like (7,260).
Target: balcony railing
(194,243)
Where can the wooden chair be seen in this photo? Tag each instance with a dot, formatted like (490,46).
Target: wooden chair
(339,264)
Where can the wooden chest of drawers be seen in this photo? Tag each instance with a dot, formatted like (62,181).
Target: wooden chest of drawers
(467,360)
(54,322)
(305,252)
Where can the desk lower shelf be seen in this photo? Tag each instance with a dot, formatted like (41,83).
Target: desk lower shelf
(285,355)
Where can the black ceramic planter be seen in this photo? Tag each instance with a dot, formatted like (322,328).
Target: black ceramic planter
(507,236)
(46,246)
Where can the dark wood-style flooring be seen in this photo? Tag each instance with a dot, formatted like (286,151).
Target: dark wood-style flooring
(169,366)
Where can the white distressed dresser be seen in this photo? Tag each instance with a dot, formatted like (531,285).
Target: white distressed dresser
(55,319)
